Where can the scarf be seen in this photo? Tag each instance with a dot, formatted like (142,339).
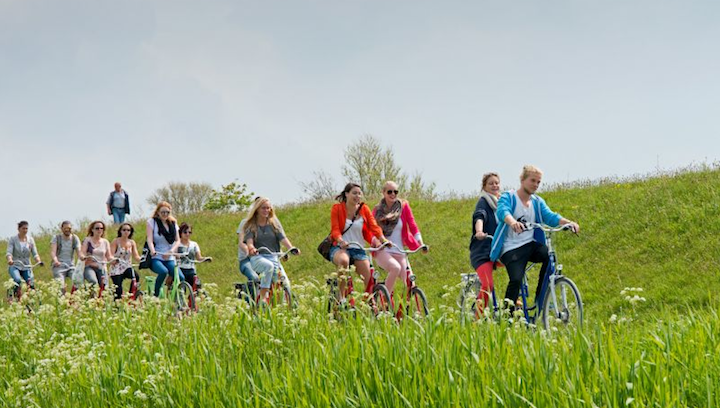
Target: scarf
(388,218)
(169,235)
(491,199)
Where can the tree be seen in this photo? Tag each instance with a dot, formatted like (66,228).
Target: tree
(184,197)
(230,198)
(322,187)
(370,165)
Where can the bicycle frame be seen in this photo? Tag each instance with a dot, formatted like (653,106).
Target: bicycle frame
(279,283)
(554,271)
(17,291)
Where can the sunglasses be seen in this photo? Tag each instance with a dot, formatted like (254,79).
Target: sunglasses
(392,191)
(188,232)
(165,212)
(125,230)
(98,228)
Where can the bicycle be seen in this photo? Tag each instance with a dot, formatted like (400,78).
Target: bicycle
(561,305)
(180,292)
(196,284)
(416,301)
(15,293)
(279,284)
(102,282)
(135,291)
(380,299)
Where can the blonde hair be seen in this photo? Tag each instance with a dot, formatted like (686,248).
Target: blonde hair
(529,169)
(251,223)
(161,204)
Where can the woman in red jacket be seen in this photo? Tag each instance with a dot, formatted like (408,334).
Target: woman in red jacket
(352,221)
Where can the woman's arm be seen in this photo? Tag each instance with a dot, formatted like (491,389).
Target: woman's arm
(135,253)
(149,236)
(108,254)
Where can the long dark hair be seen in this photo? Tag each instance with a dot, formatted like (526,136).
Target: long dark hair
(126,224)
(342,197)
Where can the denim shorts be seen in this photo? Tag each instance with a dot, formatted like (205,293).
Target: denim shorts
(355,254)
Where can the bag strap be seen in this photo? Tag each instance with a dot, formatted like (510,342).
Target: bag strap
(353,218)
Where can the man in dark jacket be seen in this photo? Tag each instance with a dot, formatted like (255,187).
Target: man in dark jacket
(118,204)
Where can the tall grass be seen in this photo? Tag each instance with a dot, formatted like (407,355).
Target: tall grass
(69,351)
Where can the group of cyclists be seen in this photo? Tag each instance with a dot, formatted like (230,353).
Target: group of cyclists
(499,236)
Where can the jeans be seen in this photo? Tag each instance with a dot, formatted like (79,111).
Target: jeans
(515,263)
(188,275)
(162,268)
(269,267)
(118,215)
(93,275)
(18,276)
(247,271)
(129,273)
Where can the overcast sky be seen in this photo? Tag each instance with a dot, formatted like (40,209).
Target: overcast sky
(266,92)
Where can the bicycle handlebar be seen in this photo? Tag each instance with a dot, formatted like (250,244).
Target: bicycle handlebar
(545,228)
(26,266)
(369,249)
(291,251)
(92,258)
(184,256)
(421,248)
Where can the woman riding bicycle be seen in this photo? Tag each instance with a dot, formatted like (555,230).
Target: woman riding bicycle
(95,248)
(192,249)
(396,219)
(19,249)
(263,229)
(484,224)
(352,221)
(162,237)
(124,248)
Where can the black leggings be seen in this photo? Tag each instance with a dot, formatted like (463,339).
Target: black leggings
(516,261)
(118,281)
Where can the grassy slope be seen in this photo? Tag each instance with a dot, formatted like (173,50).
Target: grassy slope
(659,234)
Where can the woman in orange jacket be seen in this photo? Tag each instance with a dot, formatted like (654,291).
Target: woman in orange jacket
(352,221)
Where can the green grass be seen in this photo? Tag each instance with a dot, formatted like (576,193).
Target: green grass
(659,234)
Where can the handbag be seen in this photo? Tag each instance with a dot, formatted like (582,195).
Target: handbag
(146,258)
(327,243)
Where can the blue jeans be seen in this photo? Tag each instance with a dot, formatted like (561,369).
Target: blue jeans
(118,215)
(269,267)
(247,271)
(163,268)
(355,254)
(18,276)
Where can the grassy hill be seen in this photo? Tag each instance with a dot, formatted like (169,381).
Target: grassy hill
(660,234)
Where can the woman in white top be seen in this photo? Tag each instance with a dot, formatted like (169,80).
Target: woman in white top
(97,247)
(396,219)
(125,249)
(192,249)
(19,250)
(162,237)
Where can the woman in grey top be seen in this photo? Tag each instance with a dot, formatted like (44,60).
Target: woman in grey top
(162,237)
(263,229)
(19,249)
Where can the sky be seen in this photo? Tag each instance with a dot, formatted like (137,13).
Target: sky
(268,92)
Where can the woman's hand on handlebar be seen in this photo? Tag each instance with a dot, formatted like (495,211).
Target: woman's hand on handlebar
(252,251)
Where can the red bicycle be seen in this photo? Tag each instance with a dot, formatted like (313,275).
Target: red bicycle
(15,293)
(416,304)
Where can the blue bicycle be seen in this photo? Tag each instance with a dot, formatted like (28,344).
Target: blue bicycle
(559,304)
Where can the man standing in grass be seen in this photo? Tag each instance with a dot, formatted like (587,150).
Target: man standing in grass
(514,244)
(118,204)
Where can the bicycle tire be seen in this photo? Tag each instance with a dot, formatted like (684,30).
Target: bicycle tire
(184,301)
(287,296)
(568,312)
(417,304)
(469,310)
(381,301)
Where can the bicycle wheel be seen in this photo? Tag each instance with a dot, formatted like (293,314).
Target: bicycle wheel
(287,296)
(565,309)
(469,308)
(380,301)
(417,304)
(184,301)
